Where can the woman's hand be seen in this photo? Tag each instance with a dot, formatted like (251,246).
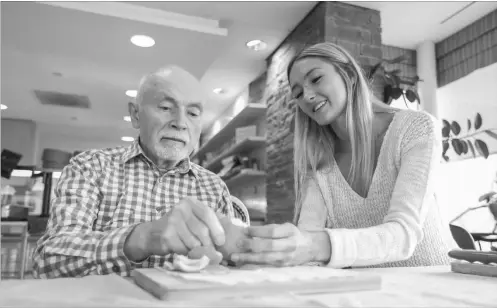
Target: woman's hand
(281,245)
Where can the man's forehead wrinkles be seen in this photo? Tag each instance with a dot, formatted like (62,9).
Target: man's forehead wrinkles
(179,97)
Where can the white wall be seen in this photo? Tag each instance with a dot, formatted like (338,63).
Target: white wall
(463,98)
(74,138)
(464,179)
(20,136)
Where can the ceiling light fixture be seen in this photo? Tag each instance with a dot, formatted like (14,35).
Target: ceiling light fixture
(127,139)
(131,93)
(127,118)
(4,107)
(142,41)
(256,45)
(218,90)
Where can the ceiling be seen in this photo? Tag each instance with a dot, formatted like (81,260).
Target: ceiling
(83,48)
(407,23)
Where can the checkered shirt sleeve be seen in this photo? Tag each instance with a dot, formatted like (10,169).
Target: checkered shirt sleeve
(70,248)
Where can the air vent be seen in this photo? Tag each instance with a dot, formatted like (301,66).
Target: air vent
(62,99)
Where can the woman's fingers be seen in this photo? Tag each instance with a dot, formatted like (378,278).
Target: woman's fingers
(257,245)
(272,258)
(273,231)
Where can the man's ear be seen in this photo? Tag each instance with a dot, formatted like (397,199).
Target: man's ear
(134,115)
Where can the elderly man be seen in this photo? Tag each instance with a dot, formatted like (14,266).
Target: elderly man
(121,208)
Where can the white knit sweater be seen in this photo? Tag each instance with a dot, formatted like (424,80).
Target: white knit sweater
(399,222)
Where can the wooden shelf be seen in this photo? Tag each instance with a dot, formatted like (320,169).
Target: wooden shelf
(241,147)
(247,116)
(246,177)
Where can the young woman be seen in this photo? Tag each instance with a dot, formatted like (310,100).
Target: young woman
(365,175)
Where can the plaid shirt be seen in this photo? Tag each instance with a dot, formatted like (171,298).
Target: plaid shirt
(101,196)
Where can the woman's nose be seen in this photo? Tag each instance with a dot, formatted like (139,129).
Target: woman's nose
(309,95)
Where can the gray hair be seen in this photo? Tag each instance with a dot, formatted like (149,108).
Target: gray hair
(170,72)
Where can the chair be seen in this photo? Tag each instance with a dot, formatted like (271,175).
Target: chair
(240,210)
(462,237)
(493,209)
(14,243)
(491,200)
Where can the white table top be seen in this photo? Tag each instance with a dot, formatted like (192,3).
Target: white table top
(420,287)
(402,287)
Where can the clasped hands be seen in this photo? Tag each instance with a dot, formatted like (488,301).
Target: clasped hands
(275,244)
(192,224)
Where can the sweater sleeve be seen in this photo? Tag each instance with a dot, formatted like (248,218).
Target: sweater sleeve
(402,228)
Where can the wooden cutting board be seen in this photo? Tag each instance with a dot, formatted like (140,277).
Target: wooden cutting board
(479,269)
(222,282)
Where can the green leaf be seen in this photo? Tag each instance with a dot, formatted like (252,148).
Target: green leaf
(464,147)
(472,148)
(456,129)
(374,69)
(396,93)
(446,128)
(411,96)
(417,97)
(396,80)
(456,144)
(482,148)
(445,146)
(478,121)
(387,93)
(491,133)
(469,124)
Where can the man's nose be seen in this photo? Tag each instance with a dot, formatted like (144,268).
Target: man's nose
(179,121)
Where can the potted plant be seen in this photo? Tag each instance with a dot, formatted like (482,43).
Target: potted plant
(396,86)
(462,144)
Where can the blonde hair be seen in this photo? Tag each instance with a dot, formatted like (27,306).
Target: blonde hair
(314,145)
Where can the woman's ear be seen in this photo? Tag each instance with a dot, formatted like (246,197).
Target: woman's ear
(133,109)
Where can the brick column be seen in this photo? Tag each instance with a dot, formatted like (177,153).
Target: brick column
(355,28)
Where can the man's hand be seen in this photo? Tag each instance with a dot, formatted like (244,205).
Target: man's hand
(190,224)
(282,245)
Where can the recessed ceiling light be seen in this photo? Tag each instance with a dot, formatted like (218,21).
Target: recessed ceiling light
(218,90)
(127,118)
(142,41)
(127,139)
(256,45)
(4,107)
(131,93)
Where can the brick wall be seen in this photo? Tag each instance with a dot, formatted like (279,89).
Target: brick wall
(407,68)
(469,49)
(355,28)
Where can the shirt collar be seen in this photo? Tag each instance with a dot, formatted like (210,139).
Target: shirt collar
(134,150)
